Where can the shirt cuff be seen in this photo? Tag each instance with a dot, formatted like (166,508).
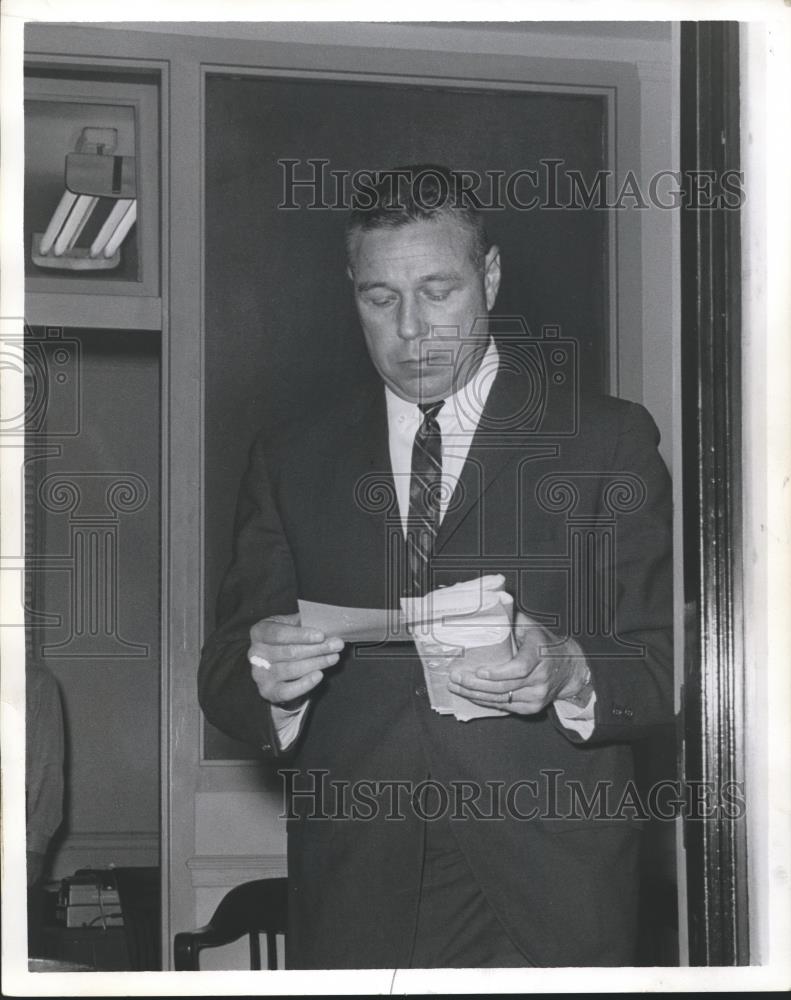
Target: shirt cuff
(287,723)
(580,720)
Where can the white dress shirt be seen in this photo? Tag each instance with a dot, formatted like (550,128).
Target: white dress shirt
(458,420)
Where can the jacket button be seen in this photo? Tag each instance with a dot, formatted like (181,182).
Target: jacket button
(266,746)
(628,713)
(421,691)
(617,711)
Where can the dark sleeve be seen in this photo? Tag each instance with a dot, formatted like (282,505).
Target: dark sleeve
(260,582)
(44,759)
(634,682)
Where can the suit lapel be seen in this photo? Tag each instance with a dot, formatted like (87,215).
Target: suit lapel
(364,504)
(499,441)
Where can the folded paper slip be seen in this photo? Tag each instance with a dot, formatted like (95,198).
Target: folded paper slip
(390,624)
(355,624)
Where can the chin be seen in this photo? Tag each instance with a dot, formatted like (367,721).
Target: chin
(415,392)
(432,397)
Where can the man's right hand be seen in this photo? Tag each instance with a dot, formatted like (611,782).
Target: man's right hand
(297,657)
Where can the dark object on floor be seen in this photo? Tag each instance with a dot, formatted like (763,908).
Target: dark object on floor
(97,949)
(252,908)
(139,893)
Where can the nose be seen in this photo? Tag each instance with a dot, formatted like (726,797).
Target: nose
(410,321)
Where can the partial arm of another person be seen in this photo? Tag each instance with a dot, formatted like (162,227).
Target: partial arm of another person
(44,767)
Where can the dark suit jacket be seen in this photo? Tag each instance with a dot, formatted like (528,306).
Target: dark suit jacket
(571,501)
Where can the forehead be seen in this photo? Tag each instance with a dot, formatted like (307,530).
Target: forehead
(413,249)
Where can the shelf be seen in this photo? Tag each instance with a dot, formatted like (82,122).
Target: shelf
(57,111)
(106,312)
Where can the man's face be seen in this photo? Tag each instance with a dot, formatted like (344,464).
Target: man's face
(418,294)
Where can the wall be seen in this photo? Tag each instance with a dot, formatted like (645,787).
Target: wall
(108,672)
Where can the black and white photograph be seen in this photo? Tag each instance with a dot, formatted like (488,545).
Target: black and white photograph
(395,512)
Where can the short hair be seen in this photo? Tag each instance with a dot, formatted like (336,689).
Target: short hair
(420,192)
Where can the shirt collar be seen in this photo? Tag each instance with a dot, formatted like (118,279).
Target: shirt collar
(464,407)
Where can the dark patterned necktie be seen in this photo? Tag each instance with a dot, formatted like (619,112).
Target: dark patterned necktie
(424,497)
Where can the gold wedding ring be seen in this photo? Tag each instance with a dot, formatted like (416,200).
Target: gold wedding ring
(510,697)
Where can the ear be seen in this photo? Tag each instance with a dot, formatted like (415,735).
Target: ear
(491,276)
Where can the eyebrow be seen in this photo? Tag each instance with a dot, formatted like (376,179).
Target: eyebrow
(441,276)
(367,286)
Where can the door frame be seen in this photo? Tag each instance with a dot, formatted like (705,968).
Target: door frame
(711,374)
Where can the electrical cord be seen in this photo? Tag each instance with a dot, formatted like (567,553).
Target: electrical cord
(104,918)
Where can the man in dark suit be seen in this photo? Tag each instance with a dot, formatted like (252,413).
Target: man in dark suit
(414,838)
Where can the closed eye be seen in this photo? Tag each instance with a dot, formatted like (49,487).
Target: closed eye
(379,300)
(438,292)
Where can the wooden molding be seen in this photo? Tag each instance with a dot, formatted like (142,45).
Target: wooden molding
(711,399)
(100,849)
(227,871)
(59,309)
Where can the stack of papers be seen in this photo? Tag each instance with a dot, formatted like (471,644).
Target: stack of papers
(463,627)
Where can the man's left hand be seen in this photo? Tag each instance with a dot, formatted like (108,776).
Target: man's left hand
(544,670)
